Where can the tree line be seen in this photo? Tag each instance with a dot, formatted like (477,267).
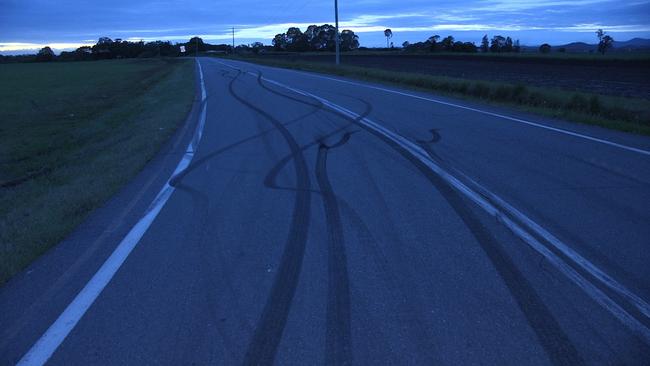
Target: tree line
(497,44)
(107,48)
(315,38)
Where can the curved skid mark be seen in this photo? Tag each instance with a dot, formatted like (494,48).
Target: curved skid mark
(338,346)
(269,329)
(521,226)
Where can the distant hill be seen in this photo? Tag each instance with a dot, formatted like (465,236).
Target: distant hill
(576,47)
(634,44)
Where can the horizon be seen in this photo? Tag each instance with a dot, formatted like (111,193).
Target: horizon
(69,24)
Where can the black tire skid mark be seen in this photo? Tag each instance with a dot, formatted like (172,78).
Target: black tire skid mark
(435,137)
(269,329)
(367,239)
(271,176)
(269,182)
(338,344)
(200,201)
(552,338)
(204,159)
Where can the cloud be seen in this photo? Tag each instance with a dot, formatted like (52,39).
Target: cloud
(18,46)
(73,22)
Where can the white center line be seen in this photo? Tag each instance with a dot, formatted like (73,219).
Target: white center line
(513,119)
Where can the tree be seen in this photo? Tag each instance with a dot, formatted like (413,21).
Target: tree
(468,47)
(508,46)
(604,41)
(497,44)
(280,42)
(388,34)
(104,41)
(257,47)
(545,48)
(194,43)
(45,54)
(293,35)
(315,38)
(349,40)
(326,35)
(516,47)
(406,44)
(485,44)
(448,43)
(433,42)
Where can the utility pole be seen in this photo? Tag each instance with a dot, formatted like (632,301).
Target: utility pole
(336,18)
(233,40)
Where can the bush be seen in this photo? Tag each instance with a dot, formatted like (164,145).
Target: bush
(545,48)
(480,90)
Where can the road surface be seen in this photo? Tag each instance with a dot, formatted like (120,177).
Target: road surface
(317,220)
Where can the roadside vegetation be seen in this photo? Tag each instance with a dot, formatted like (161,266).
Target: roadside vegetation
(72,135)
(624,114)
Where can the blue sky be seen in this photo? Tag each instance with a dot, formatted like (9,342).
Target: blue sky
(26,25)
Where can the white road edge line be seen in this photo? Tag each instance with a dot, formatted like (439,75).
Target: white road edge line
(513,119)
(48,343)
(589,288)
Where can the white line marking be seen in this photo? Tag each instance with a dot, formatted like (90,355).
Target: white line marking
(497,211)
(203,96)
(43,349)
(513,119)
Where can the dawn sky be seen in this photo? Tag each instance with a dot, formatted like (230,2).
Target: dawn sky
(26,25)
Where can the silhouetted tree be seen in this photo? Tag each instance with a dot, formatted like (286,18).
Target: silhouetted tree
(388,34)
(194,43)
(545,48)
(497,44)
(447,43)
(257,47)
(464,47)
(433,42)
(604,41)
(349,40)
(508,46)
(315,38)
(45,54)
(280,41)
(485,44)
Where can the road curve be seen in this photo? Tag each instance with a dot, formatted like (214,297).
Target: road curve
(319,220)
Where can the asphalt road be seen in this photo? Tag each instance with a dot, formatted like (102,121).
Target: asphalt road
(322,221)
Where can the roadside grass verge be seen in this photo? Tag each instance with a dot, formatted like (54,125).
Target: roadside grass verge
(72,135)
(624,114)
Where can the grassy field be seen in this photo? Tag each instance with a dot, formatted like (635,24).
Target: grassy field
(634,57)
(624,114)
(72,135)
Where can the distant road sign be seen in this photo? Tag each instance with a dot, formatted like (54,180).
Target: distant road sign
(182,48)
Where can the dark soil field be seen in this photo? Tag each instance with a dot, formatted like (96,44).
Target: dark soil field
(627,78)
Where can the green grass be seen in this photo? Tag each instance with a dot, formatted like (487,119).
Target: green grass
(624,114)
(72,135)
